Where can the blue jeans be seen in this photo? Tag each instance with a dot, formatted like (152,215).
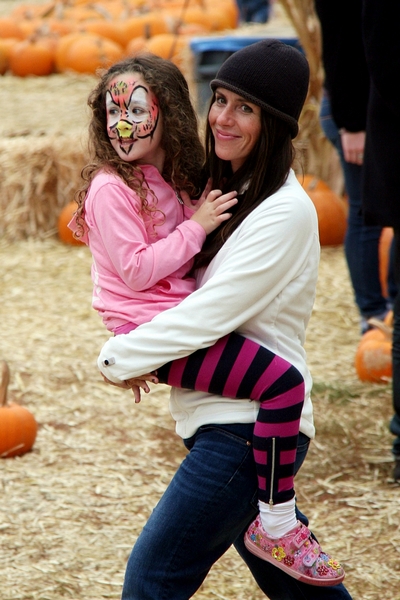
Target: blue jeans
(362,241)
(253,11)
(207,507)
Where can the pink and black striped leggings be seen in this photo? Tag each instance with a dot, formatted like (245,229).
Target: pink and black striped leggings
(237,367)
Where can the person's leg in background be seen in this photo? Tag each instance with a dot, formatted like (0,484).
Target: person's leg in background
(395,422)
(362,241)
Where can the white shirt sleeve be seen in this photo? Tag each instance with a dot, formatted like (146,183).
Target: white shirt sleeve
(267,252)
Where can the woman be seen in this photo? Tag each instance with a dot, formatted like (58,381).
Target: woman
(257,275)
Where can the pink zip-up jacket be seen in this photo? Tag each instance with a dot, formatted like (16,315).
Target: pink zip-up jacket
(140,262)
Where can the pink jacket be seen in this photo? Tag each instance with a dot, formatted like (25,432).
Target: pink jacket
(140,263)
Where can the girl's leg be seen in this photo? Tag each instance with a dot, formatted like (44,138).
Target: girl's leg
(237,367)
(276,584)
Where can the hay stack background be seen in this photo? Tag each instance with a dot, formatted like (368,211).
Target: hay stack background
(42,150)
(72,508)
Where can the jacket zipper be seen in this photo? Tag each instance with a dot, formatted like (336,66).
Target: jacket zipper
(271,489)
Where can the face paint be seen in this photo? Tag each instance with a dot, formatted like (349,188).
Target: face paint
(133,119)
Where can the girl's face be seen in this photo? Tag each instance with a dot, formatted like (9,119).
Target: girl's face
(134,120)
(236,126)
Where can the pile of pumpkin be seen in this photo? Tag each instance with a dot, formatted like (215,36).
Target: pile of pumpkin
(82,36)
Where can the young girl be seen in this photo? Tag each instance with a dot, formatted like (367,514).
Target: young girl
(147,157)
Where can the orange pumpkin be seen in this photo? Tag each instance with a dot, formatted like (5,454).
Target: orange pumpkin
(228,9)
(168,45)
(9,28)
(64,232)
(89,52)
(18,427)
(112,30)
(146,25)
(331,210)
(385,243)
(62,49)
(373,360)
(31,57)
(135,46)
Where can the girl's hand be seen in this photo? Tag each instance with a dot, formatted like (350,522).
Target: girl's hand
(197,203)
(205,193)
(135,384)
(212,212)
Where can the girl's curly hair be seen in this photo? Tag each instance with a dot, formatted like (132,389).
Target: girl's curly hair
(184,153)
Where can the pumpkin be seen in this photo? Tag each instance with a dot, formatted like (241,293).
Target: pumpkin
(385,243)
(111,30)
(136,45)
(373,360)
(62,49)
(64,232)
(89,52)
(9,28)
(169,46)
(146,25)
(31,57)
(18,427)
(331,210)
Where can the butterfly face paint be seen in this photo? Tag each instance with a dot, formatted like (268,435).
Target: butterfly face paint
(134,120)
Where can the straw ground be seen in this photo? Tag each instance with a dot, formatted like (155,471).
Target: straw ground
(72,508)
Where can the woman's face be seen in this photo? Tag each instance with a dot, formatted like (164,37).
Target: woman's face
(235,124)
(134,120)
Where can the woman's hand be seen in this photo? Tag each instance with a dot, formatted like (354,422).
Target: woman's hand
(212,211)
(135,384)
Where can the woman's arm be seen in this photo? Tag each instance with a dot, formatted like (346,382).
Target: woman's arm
(267,252)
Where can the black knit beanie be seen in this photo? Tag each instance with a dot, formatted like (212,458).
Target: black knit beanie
(271,74)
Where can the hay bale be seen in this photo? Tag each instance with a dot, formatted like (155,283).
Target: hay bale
(38,176)
(42,150)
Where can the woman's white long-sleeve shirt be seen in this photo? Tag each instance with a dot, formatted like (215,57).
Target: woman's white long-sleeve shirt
(261,284)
